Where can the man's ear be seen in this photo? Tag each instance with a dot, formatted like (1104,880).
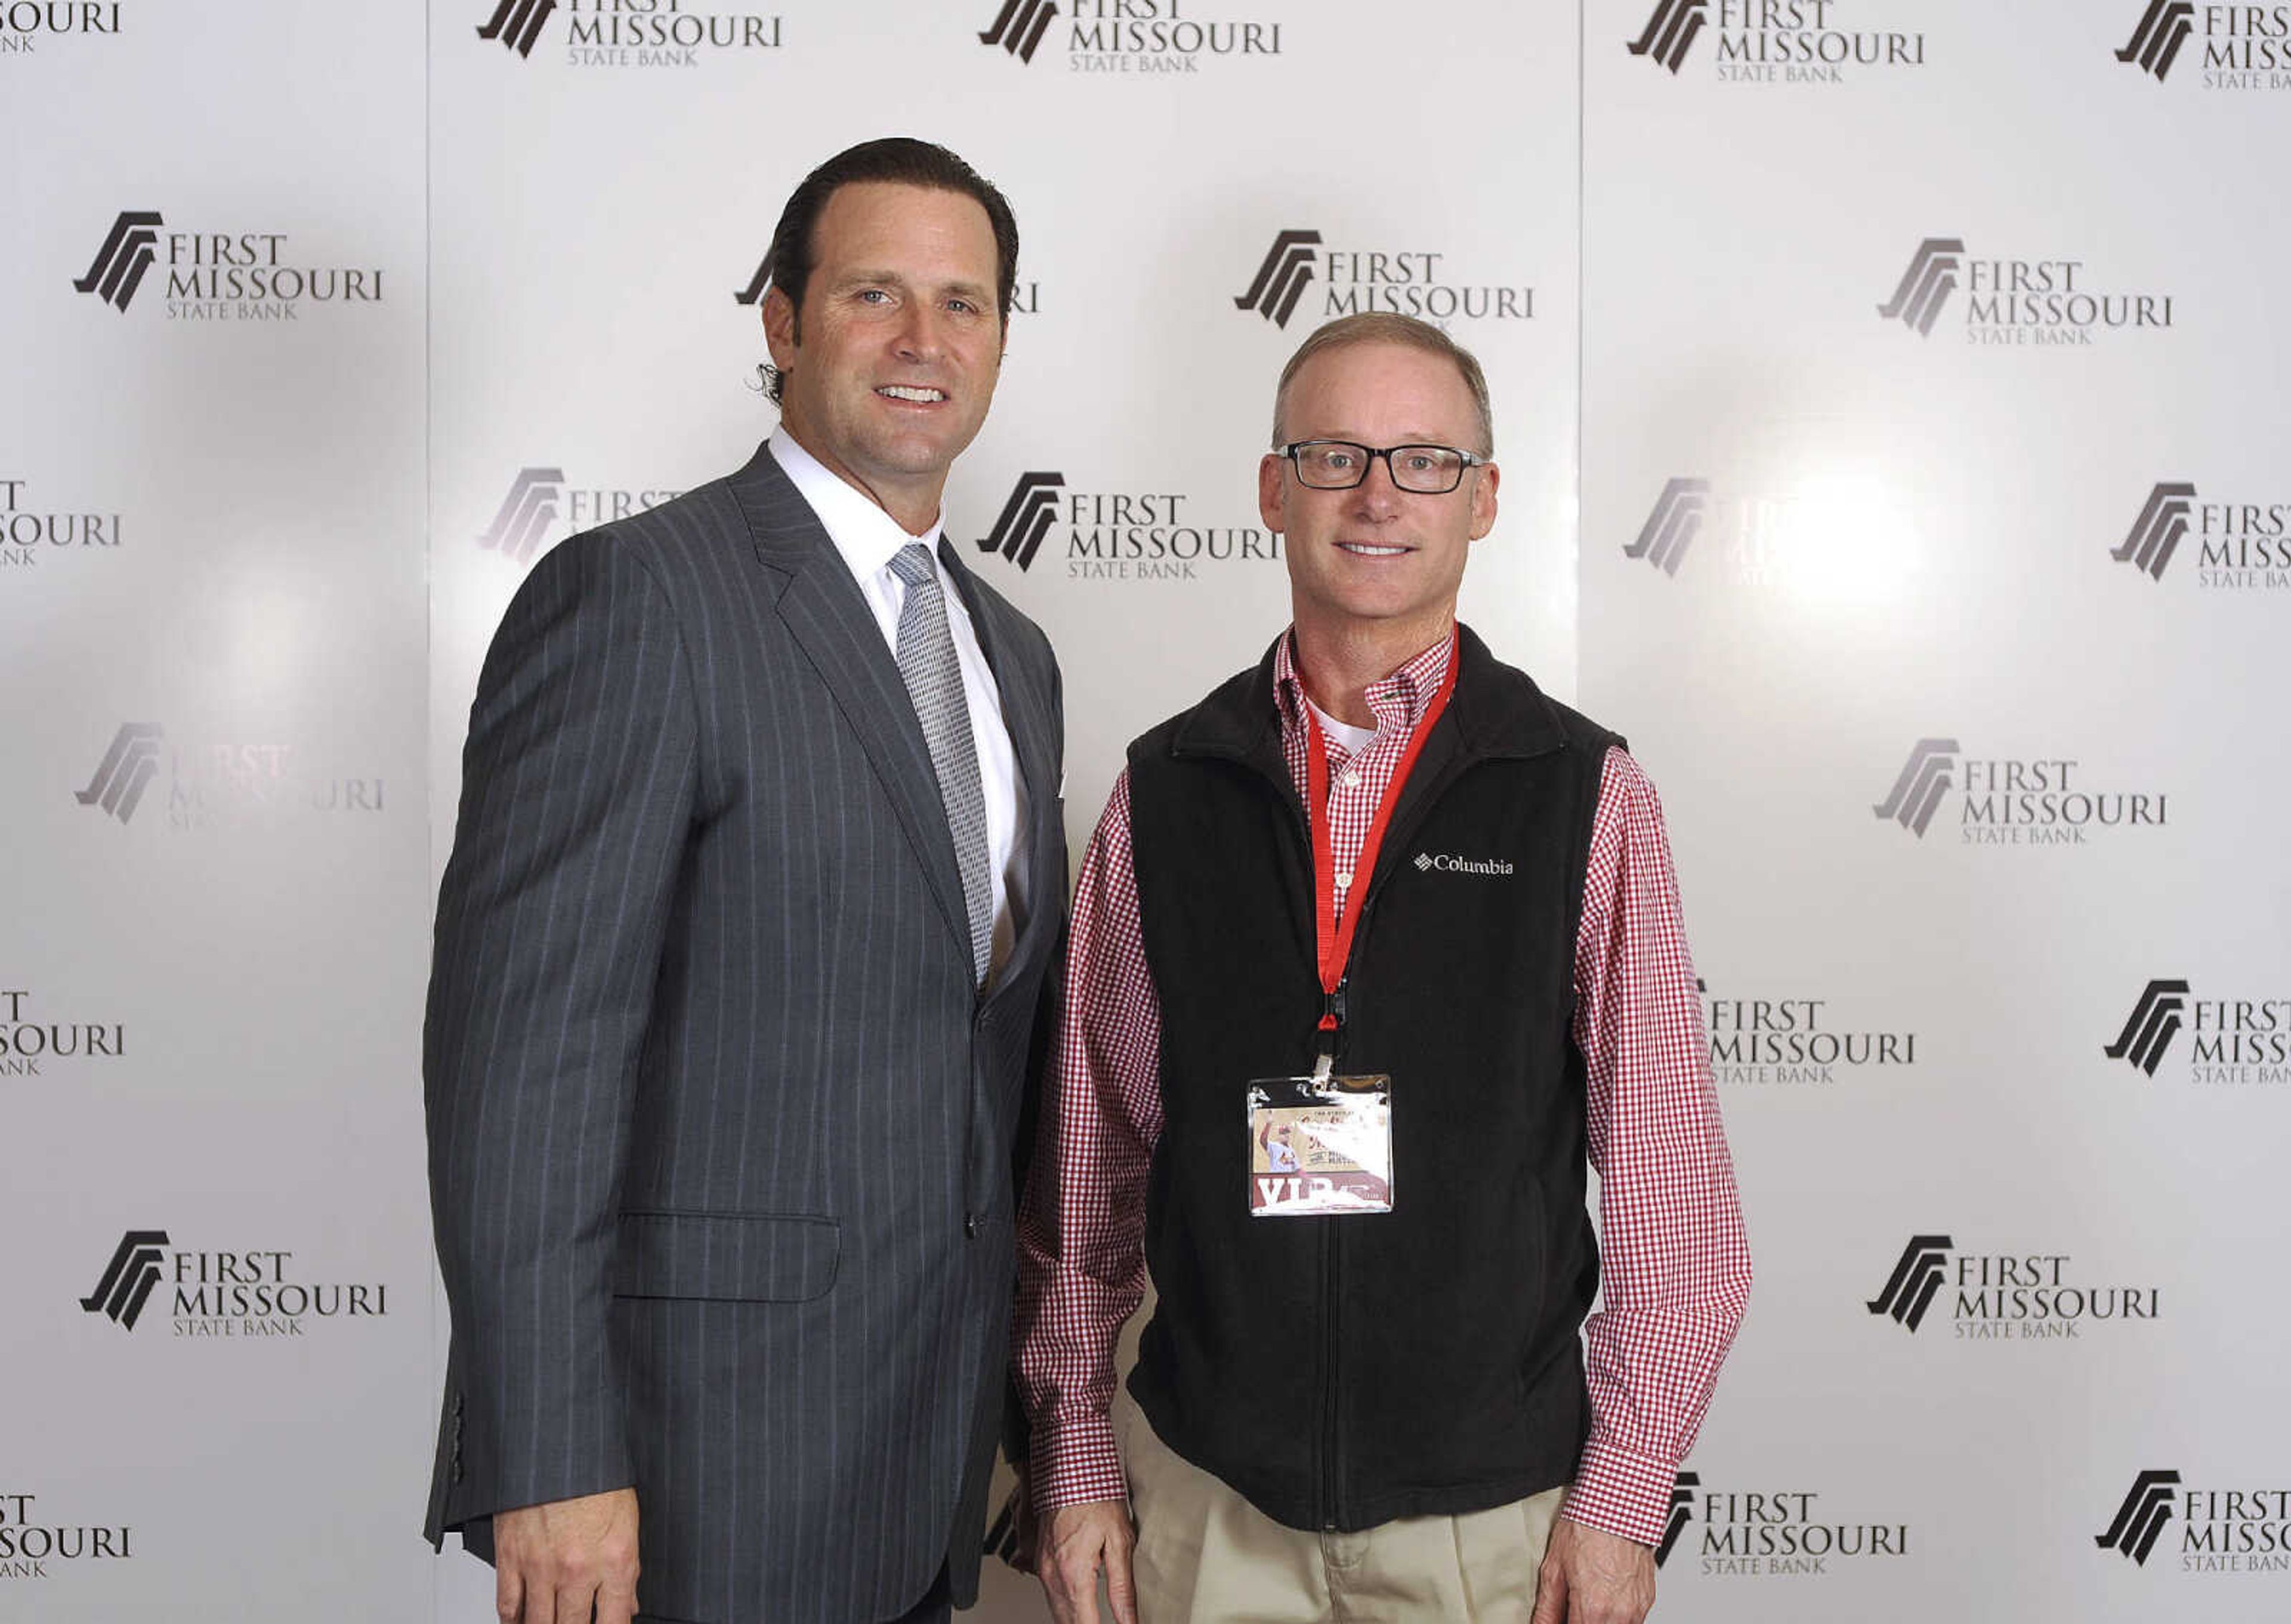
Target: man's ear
(1271,493)
(779,327)
(1483,499)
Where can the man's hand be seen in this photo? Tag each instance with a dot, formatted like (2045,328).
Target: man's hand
(1593,1577)
(553,1562)
(1075,1542)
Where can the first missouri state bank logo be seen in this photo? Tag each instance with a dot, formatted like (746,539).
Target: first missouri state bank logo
(1909,1289)
(210,276)
(37,1545)
(629,33)
(127,253)
(2155,1022)
(129,1279)
(25,25)
(1671,31)
(1926,286)
(242,1296)
(542,507)
(1026,519)
(1761,538)
(2241,1530)
(2020,301)
(1281,277)
(33,530)
(1019,26)
(517,23)
(2240,47)
(2241,546)
(2155,44)
(2232,1040)
(211,783)
(1670,529)
(1125,534)
(2014,800)
(2023,1295)
(1917,792)
(1131,37)
(125,772)
(527,514)
(1767,1531)
(2158,530)
(2140,1519)
(1409,281)
(1774,42)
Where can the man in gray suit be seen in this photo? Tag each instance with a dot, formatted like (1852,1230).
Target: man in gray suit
(759,868)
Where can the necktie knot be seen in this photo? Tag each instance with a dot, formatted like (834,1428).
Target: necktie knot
(912,564)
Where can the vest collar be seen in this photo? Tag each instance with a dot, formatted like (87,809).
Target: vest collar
(1497,713)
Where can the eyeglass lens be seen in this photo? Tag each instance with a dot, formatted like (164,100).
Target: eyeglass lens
(1338,465)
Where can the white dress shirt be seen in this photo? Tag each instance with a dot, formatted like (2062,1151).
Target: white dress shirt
(868,539)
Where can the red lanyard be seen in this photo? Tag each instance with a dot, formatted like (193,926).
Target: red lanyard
(1335,939)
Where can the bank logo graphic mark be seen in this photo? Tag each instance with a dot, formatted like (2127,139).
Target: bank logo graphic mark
(2142,1518)
(1671,528)
(125,255)
(517,23)
(2163,28)
(1018,27)
(1917,791)
(2155,1022)
(1910,1292)
(526,514)
(1670,31)
(1026,518)
(128,1279)
(1682,1512)
(1282,279)
(2161,526)
(1927,284)
(125,770)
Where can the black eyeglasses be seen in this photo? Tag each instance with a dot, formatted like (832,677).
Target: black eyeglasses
(1338,465)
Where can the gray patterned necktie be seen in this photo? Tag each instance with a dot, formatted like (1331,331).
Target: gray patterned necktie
(934,679)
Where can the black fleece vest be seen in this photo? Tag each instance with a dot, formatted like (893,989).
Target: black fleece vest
(1343,1371)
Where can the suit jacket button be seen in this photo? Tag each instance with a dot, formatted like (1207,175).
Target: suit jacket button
(970,1225)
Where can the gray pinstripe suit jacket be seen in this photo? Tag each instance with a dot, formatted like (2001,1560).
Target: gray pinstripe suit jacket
(720,1137)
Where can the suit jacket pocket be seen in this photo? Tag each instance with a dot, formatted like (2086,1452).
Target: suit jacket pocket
(728,1256)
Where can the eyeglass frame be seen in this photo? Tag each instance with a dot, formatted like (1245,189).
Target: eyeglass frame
(1470,460)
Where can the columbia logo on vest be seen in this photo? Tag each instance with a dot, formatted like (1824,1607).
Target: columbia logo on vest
(1447,864)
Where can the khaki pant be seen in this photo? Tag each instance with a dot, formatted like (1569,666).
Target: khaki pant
(1205,1553)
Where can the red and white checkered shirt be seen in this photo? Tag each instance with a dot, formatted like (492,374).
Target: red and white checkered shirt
(1677,1265)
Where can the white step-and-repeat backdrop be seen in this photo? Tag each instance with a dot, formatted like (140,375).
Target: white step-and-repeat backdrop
(1889,395)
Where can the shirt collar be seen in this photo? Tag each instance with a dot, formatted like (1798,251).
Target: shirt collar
(866,536)
(1398,701)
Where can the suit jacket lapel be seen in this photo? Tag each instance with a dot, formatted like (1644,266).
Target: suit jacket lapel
(829,618)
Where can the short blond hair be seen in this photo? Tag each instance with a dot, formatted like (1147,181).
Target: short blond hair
(1391,327)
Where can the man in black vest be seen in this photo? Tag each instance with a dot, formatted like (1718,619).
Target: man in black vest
(1380,900)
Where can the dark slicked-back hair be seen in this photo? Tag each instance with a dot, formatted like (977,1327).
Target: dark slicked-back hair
(900,160)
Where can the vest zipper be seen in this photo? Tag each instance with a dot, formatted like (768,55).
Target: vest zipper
(1331,1428)
(1333,1450)
(1332,1432)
